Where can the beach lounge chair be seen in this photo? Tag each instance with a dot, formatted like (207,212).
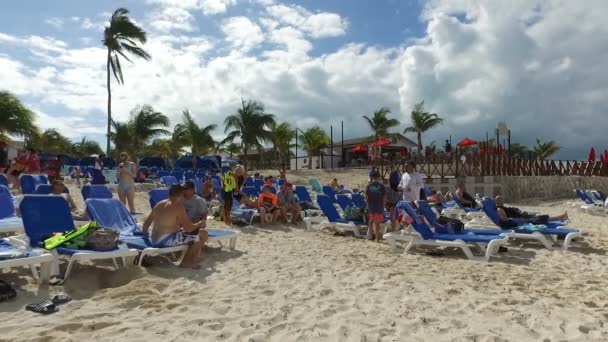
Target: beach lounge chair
(332,217)
(169,180)
(95,191)
(45,189)
(359,201)
(9,222)
(157,195)
(251,191)
(281,182)
(424,208)
(426,237)
(316,186)
(16,253)
(258,183)
(545,236)
(303,194)
(30,182)
(112,214)
(179,176)
(249,181)
(45,215)
(3,180)
(189,175)
(329,192)
(344,201)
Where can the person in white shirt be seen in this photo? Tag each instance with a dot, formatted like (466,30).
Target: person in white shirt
(411,182)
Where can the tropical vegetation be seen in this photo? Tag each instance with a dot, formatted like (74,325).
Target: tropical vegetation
(422,121)
(143,125)
(15,118)
(379,123)
(544,150)
(313,140)
(121,39)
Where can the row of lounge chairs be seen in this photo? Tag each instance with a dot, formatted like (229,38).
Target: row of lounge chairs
(45,215)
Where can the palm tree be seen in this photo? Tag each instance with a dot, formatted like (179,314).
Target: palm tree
(281,137)
(379,123)
(146,124)
(166,148)
(121,38)
(250,124)
(313,140)
(50,141)
(188,133)
(85,148)
(518,149)
(421,122)
(232,149)
(545,150)
(15,118)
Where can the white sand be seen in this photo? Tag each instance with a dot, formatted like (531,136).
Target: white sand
(288,284)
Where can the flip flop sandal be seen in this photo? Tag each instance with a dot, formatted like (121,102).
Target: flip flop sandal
(61,299)
(46,307)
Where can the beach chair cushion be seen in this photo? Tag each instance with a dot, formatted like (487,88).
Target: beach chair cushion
(95,191)
(157,195)
(169,180)
(111,213)
(303,194)
(7,208)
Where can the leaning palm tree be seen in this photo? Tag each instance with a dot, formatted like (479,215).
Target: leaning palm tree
(380,123)
(281,137)
(15,118)
(121,38)
(546,149)
(198,138)
(313,140)
(122,137)
(421,122)
(250,124)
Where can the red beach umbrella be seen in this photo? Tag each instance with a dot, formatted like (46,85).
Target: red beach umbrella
(359,148)
(467,142)
(381,142)
(592,154)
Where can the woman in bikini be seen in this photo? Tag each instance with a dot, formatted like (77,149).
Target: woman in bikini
(126,181)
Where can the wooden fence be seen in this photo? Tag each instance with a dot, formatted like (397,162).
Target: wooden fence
(448,166)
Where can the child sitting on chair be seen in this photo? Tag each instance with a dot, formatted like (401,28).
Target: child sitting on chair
(268,205)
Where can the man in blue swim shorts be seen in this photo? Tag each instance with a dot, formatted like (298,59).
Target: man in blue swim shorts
(172,227)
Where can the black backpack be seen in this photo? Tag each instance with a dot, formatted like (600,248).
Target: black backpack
(446,225)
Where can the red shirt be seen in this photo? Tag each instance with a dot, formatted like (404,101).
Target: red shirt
(33,163)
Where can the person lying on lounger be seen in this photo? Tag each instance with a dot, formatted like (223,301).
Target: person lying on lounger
(172,227)
(58,189)
(508,214)
(464,197)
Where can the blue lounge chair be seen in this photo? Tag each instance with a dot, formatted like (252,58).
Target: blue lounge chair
(30,182)
(179,176)
(169,180)
(425,209)
(198,186)
(359,201)
(3,180)
(189,175)
(45,215)
(45,189)
(17,254)
(344,201)
(9,222)
(258,183)
(200,174)
(461,205)
(426,237)
(281,182)
(303,194)
(95,191)
(333,219)
(157,195)
(112,214)
(329,192)
(249,181)
(541,235)
(251,191)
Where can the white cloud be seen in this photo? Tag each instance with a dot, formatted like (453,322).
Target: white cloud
(320,25)
(208,7)
(539,65)
(172,18)
(57,23)
(87,24)
(242,33)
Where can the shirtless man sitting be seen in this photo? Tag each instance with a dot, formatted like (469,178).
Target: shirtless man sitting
(172,227)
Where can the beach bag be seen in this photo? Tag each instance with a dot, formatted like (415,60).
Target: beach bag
(102,239)
(447,225)
(353,213)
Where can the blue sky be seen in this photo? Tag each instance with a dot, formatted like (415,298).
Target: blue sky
(529,63)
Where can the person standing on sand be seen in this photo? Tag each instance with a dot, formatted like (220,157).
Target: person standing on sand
(411,182)
(167,217)
(375,194)
(126,181)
